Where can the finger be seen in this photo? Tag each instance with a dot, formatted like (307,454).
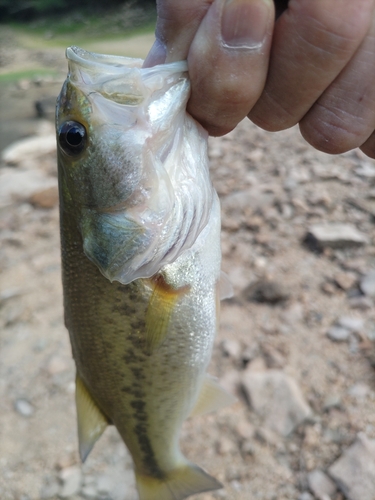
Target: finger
(344,116)
(369,146)
(228,62)
(313,42)
(177,23)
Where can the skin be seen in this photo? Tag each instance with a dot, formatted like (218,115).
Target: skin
(314,66)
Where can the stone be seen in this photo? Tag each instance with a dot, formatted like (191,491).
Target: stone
(321,485)
(268,291)
(56,365)
(50,489)
(359,391)
(231,348)
(46,198)
(345,281)
(338,334)
(361,303)
(23,149)
(305,496)
(354,471)
(24,407)
(71,479)
(334,235)
(277,398)
(367,284)
(19,185)
(351,323)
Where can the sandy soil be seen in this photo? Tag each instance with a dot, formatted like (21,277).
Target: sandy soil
(273,187)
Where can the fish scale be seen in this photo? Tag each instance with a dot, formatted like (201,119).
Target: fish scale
(141,340)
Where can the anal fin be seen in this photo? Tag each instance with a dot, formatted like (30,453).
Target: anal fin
(90,419)
(212,397)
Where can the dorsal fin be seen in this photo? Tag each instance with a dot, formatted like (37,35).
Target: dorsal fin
(90,419)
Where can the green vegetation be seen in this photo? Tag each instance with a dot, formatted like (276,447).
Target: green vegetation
(32,74)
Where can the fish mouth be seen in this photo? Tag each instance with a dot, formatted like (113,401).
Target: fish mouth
(89,67)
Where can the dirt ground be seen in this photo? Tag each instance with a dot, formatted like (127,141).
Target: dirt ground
(273,188)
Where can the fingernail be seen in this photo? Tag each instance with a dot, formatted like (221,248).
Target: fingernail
(157,55)
(244,23)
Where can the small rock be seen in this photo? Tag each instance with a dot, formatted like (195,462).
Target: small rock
(338,334)
(268,291)
(24,407)
(46,198)
(56,365)
(367,284)
(71,479)
(89,492)
(245,429)
(231,348)
(321,485)
(50,489)
(345,281)
(334,235)
(23,149)
(332,401)
(277,398)
(354,471)
(362,303)
(366,169)
(351,323)
(305,496)
(359,391)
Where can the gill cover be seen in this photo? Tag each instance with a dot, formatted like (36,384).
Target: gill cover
(138,184)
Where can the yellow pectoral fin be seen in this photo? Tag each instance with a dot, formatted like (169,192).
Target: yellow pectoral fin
(91,421)
(159,312)
(211,398)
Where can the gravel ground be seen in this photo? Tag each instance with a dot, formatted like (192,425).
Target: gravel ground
(295,344)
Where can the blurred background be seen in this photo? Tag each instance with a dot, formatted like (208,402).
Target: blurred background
(296,342)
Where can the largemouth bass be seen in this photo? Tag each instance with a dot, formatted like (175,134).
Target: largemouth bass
(140,240)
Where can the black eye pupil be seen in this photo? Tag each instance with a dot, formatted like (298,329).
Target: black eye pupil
(72,137)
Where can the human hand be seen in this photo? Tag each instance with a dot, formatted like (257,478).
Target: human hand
(320,71)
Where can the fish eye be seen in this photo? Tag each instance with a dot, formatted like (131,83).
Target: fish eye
(72,137)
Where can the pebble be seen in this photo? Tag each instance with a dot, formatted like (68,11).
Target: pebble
(31,147)
(277,398)
(231,348)
(354,471)
(321,485)
(24,407)
(351,323)
(367,284)
(268,291)
(334,235)
(71,479)
(361,303)
(56,365)
(345,281)
(338,334)
(50,489)
(46,198)
(305,496)
(359,391)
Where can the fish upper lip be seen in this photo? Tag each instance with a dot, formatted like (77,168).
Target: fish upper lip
(117,65)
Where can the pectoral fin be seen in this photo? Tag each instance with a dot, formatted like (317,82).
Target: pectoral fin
(159,312)
(225,286)
(212,397)
(91,421)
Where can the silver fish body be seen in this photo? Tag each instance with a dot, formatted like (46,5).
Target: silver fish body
(140,233)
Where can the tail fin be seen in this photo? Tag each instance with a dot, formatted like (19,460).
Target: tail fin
(178,484)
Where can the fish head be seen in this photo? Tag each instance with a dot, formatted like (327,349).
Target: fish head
(114,124)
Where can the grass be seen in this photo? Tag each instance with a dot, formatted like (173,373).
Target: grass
(31,74)
(83,27)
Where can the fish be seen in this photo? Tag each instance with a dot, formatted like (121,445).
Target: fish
(140,247)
